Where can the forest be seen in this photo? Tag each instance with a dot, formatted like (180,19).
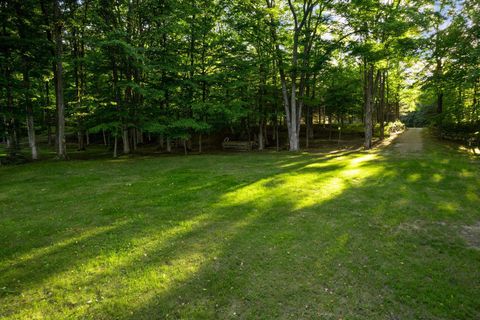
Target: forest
(240,159)
(167,72)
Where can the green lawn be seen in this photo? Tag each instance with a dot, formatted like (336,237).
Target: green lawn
(351,235)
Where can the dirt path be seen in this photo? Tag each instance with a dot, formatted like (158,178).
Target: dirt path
(410,141)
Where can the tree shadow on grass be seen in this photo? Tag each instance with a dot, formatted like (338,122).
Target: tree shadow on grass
(291,241)
(325,261)
(72,241)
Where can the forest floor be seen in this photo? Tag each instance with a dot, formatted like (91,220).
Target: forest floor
(386,234)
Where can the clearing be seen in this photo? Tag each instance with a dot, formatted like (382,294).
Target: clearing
(364,235)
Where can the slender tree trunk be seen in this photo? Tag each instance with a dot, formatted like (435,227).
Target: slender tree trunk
(283,81)
(200,143)
(115,144)
(31,133)
(134,139)
(307,135)
(475,102)
(5,136)
(369,70)
(13,146)
(260,136)
(161,142)
(48,119)
(311,111)
(439,74)
(381,106)
(26,84)
(397,104)
(169,145)
(30,123)
(277,139)
(81,141)
(440,102)
(294,120)
(310,123)
(49,134)
(265,134)
(104,137)
(126,143)
(58,35)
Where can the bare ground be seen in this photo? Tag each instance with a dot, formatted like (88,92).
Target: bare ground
(410,141)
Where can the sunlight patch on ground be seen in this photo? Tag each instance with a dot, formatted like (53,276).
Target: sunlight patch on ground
(466,174)
(437,177)
(472,196)
(324,181)
(364,158)
(475,151)
(414,177)
(449,206)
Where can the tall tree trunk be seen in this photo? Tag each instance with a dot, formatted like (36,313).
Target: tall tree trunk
(115,144)
(283,81)
(307,128)
(126,143)
(475,102)
(161,141)
(13,146)
(439,102)
(277,139)
(311,111)
(29,111)
(381,106)
(104,137)
(261,145)
(303,27)
(134,138)
(294,112)
(368,123)
(58,35)
(200,143)
(439,74)
(265,134)
(19,9)
(307,119)
(169,145)
(5,136)
(81,141)
(48,118)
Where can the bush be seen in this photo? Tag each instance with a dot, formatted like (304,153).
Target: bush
(354,128)
(394,127)
(466,128)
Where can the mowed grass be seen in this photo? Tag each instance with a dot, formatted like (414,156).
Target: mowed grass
(351,235)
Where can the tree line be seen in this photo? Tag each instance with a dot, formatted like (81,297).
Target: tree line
(179,69)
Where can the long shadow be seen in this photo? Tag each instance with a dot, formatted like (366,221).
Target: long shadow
(52,254)
(343,263)
(262,256)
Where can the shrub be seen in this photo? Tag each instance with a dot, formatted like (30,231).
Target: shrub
(394,127)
